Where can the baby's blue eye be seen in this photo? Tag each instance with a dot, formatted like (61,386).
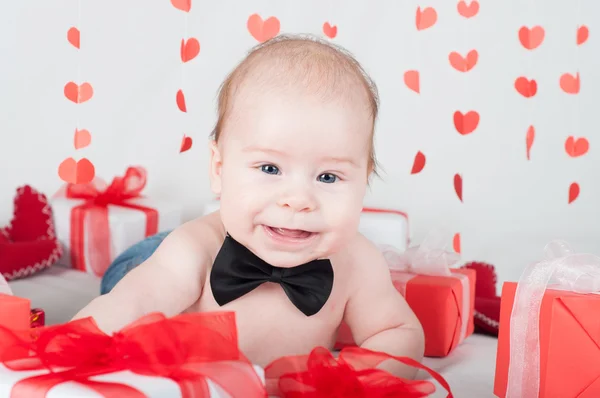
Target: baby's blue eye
(269,169)
(328,178)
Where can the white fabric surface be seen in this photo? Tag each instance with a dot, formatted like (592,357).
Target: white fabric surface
(62,292)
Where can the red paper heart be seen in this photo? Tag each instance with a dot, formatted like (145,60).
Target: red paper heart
(419,163)
(426,18)
(411,79)
(531,38)
(74,37)
(463,64)
(330,31)
(468,11)
(458,186)
(570,84)
(527,88)
(456,242)
(180,98)
(573,192)
(78,93)
(80,172)
(183,5)
(82,139)
(529,140)
(467,123)
(263,30)
(582,34)
(576,147)
(186,144)
(189,49)
(29,244)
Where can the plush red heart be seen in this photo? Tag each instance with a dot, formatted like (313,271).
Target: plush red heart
(29,242)
(487,303)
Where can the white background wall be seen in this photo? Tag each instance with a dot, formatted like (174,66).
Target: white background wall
(130,53)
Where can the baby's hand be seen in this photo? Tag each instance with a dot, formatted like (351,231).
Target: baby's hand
(379,317)
(169,282)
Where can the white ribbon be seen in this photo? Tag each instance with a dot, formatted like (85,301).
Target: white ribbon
(430,258)
(561,269)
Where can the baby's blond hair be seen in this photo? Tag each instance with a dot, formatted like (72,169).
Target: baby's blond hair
(328,69)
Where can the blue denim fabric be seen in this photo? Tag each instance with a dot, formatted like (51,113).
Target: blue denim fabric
(130,259)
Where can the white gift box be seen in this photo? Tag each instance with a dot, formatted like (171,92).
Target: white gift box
(127,226)
(380,226)
(151,387)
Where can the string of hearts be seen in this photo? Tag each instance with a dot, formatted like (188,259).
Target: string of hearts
(70,170)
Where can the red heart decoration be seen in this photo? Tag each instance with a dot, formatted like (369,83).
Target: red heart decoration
(189,49)
(463,64)
(487,303)
(263,30)
(180,98)
(573,192)
(78,93)
(582,34)
(529,140)
(183,5)
(531,38)
(74,37)
(76,172)
(456,242)
(330,31)
(411,79)
(186,144)
(570,84)
(425,18)
(576,147)
(468,11)
(527,88)
(458,186)
(466,123)
(29,243)
(419,163)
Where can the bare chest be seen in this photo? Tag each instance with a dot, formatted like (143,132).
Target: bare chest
(270,326)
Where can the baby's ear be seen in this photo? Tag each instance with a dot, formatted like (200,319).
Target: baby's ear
(215,167)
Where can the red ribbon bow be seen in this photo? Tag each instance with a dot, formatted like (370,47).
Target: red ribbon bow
(187,349)
(93,214)
(352,375)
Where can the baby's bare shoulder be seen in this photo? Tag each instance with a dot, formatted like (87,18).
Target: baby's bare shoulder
(361,255)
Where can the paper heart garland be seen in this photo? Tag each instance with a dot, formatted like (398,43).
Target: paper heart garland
(411,79)
(180,99)
(186,144)
(263,30)
(527,88)
(466,123)
(531,38)
(576,147)
(76,172)
(570,84)
(582,34)
(468,11)
(529,140)
(189,49)
(74,37)
(329,31)
(78,93)
(426,18)
(82,139)
(29,242)
(573,192)
(463,64)
(458,186)
(419,163)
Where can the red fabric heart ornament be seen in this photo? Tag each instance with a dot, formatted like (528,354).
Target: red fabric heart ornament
(487,303)
(28,244)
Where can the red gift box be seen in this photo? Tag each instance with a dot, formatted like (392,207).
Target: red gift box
(442,298)
(549,339)
(195,351)
(14,312)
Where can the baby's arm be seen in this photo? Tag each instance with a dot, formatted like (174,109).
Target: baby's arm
(379,317)
(169,282)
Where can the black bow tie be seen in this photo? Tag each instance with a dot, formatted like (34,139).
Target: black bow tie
(237,271)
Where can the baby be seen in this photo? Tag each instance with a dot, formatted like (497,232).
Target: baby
(290,159)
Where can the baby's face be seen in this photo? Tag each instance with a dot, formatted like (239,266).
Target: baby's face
(291,173)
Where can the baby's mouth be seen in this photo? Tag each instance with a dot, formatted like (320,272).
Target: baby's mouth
(290,233)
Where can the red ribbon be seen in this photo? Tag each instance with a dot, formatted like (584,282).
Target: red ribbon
(187,349)
(352,375)
(94,212)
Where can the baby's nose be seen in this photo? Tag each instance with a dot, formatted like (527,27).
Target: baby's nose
(298,201)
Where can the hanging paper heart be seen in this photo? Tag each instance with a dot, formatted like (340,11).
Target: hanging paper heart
(425,19)
(456,242)
(330,31)
(582,34)
(78,93)
(419,163)
(573,192)
(468,11)
(74,37)
(529,140)
(458,186)
(531,38)
(82,139)
(576,147)
(466,123)
(527,88)
(411,79)
(180,98)
(183,5)
(76,172)
(463,64)
(186,144)
(189,49)
(263,30)
(570,84)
